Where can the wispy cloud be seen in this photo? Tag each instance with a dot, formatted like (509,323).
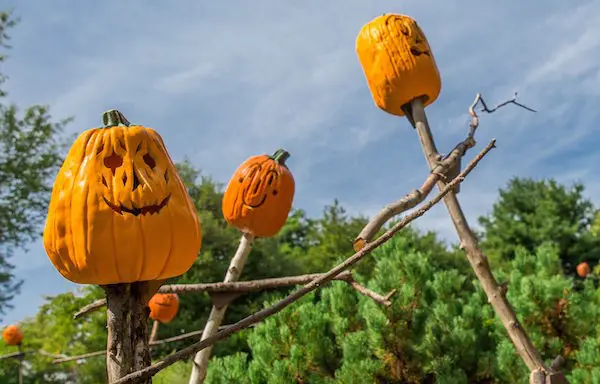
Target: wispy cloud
(223,81)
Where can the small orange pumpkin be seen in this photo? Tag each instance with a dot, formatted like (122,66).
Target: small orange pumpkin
(583,269)
(119,212)
(259,196)
(397,62)
(12,335)
(164,307)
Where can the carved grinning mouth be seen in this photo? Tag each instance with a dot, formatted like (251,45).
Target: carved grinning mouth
(137,211)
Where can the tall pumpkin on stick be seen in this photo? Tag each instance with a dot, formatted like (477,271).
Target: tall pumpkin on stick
(120,217)
(398,63)
(257,201)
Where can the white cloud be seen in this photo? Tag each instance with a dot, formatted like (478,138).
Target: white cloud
(223,82)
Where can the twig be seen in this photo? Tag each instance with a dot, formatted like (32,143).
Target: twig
(13,355)
(479,99)
(185,336)
(217,312)
(318,282)
(242,287)
(468,242)
(24,353)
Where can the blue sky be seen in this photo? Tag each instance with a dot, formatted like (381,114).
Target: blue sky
(222,81)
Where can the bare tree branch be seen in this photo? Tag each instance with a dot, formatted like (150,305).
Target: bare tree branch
(440,172)
(468,242)
(65,359)
(314,284)
(241,287)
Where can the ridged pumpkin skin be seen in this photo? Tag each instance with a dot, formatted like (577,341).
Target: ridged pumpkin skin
(12,335)
(119,212)
(164,307)
(397,62)
(259,196)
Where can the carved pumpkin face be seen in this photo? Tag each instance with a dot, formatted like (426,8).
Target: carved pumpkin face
(397,62)
(119,212)
(259,196)
(164,307)
(12,335)
(583,269)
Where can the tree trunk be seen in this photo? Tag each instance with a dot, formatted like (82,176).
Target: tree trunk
(127,348)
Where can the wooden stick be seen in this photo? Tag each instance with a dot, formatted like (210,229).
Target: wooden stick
(127,348)
(217,313)
(316,283)
(242,287)
(154,332)
(21,355)
(66,359)
(468,242)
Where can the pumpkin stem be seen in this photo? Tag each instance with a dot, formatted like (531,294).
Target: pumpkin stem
(280,156)
(114,118)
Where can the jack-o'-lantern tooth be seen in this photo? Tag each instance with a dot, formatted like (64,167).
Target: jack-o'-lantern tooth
(397,63)
(259,195)
(132,224)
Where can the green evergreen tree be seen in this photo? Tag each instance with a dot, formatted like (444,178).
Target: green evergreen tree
(530,212)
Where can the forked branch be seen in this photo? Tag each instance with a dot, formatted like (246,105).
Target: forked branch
(442,171)
(314,284)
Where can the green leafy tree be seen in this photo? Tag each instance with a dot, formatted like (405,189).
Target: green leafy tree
(30,153)
(529,213)
(54,332)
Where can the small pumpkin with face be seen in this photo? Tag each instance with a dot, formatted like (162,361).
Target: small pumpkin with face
(164,307)
(12,335)
(119,212)
(259,196)
(397,62)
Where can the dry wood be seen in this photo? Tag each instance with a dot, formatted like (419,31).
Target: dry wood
(65,359)
(154,332)
(217,312)
(496,294)
(240,287)
(127,348)
(318,282)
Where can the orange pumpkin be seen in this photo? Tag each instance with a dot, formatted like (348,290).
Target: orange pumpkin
(397,62)
(259,196)
(119,212)
(164,307)
(12,335)
(583,269)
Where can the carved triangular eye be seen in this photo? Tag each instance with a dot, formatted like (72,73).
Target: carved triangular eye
(149,160)
(113,162)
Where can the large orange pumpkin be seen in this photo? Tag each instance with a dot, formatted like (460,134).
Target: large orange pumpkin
(259,196)
(119,212)
(164,307)
(397,62)
(583,269)
(12,335)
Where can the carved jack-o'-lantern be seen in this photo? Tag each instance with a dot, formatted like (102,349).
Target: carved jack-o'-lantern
(12,335)
(164,307)
(397,62)
(259,196)
(119,212)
